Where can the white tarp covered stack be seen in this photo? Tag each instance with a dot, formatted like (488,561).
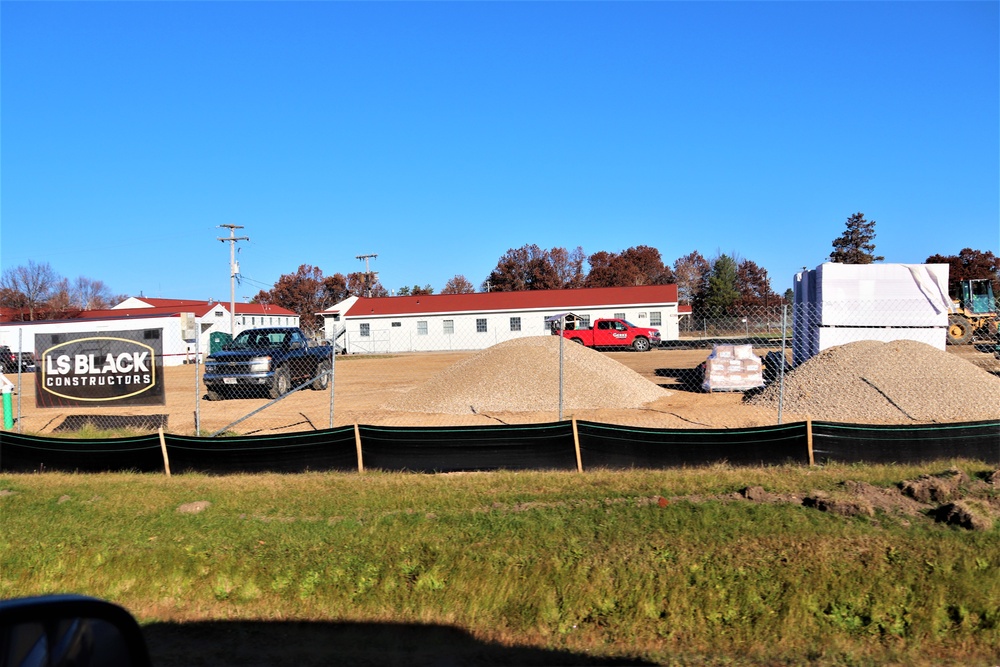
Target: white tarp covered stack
(836,304)
(732,368)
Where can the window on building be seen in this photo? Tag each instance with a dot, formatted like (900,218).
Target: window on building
(619,316)
(397,324)
(449,326)
(655,318)
(421,327)
(366,329)
(480,325)
(515,324)
(151,334)
(584,322)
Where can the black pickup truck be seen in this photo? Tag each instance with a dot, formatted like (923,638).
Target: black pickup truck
(275,359)
(12,362)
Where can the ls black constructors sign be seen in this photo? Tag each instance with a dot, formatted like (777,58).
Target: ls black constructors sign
(100,368)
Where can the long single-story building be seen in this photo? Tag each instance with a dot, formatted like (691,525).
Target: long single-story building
(441,322)
(185,326)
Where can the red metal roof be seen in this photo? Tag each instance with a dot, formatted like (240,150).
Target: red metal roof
(527,300)
(199,308)
(196,305)
(156,302)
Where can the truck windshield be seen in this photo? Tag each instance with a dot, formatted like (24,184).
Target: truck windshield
(252,340)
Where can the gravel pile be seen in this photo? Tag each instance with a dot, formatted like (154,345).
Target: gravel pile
(522,375)
(870,382)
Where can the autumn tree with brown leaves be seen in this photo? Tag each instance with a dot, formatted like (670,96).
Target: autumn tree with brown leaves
(306,292)
(641,265)
(521,269)
(360,283)
(970,264)
(458,285)
(754,285)
(569,266)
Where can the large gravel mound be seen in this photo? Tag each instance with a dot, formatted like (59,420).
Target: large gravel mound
(522,375)
(870,382)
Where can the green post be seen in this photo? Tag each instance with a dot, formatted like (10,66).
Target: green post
(8,413)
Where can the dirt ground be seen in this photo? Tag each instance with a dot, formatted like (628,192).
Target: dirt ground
(364,384)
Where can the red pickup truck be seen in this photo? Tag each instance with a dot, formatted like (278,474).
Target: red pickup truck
(613,333)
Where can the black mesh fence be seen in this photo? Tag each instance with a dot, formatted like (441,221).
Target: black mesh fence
(848,443)
(528,447)
(555,446)
(332,449)
(606,446)
(21,453)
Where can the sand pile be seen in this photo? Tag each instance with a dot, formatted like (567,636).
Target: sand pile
(870,382)
(522,375)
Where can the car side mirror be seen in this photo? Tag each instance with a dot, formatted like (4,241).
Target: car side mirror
(69,630)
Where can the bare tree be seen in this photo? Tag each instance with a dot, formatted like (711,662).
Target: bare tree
(87,294)
(691,272)
(29,287)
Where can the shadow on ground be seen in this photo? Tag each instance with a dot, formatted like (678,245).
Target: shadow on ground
(301,643)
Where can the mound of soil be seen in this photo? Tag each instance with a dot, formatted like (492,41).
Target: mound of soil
(903,381)
(522,375)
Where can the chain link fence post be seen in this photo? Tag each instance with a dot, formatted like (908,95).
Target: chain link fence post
(781,366)
(197,382)
(333,374)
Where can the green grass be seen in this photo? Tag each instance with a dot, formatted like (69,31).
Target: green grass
(587,563)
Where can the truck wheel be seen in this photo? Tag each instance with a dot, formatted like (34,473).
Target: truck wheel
(213,395)
(959,330)
(579,341)
(280,383)
(640,344)
(322,380)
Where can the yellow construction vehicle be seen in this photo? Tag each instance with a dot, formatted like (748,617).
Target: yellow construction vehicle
(974,312)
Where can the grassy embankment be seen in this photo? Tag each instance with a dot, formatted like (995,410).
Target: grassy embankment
(593,564)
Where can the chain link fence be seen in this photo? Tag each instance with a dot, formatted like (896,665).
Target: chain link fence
(497,370)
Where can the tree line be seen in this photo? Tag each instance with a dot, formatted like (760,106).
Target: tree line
(35,291)
(723,285)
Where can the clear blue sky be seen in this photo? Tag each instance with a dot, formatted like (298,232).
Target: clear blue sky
(441,134)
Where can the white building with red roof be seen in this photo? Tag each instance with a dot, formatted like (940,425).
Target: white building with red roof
(185,327)
(440,322)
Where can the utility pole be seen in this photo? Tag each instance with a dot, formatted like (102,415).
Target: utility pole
(368,273)
(233,270)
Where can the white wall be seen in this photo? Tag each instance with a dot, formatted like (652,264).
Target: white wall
(384,337)
(176,349)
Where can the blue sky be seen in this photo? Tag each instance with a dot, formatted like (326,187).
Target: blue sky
(438,135)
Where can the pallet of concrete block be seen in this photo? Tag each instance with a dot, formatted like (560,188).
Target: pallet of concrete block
(732,368)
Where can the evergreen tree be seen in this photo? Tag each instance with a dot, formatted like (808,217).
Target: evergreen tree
(722,292)
(857,244)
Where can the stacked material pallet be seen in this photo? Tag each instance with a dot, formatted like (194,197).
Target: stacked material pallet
(732,368)
(836,304)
